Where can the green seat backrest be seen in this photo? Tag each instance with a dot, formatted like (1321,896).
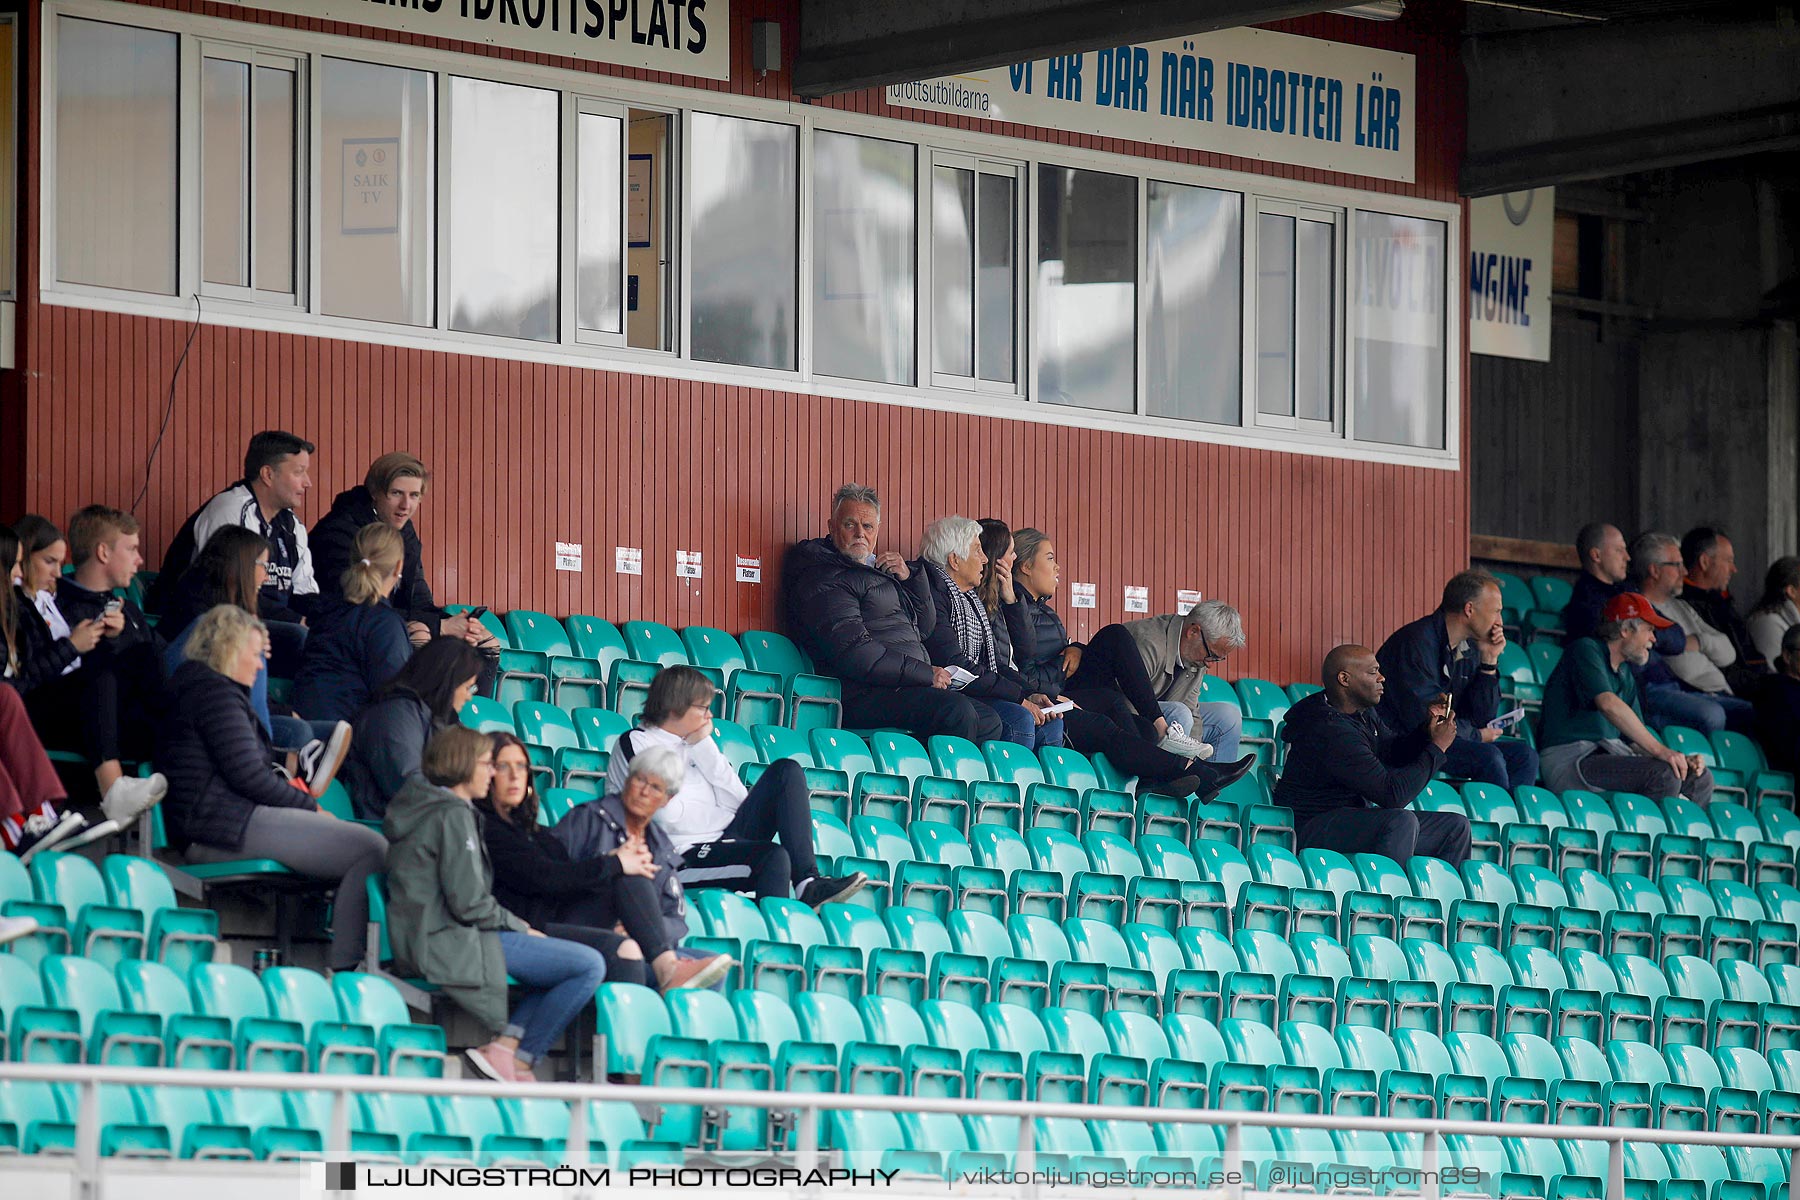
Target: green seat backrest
(776,742)
(840,750)
(1113,855)
(67,879)
(484,715)
(1166,858)
(1000,848)
(1096,942)
(773,652)
(977,933)
(1374,956)
(545,725)
(138,883)
(1552,593)
(829,1019)
(727,914)
(900,754)
(537,631)
(735,742)
(1012,763)
(709,647)
(1068,768)
(596,639)
(938,842)
(598,728)
(878,837)
(631,1016)
(1515,664)
(957,758)
(150,987)
(227,990)
(1214,690)
(368,1000)
(653,642)
(1055,850)
(1300,691)
(78,984)
(301,995)
(1515,593)
(1321,954)
(1736,752)
(1260,950)
(1540,806)
(1688,741)
(1262,700)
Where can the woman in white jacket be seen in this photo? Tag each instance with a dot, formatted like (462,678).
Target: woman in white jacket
(1778,609)
(725,832)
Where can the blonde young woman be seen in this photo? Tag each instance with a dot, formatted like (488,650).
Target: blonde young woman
(227,801)
(357,641)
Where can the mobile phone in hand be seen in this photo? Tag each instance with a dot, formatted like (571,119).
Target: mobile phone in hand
(114,605)
(478,612)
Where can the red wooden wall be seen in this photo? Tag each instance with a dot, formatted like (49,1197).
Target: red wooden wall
(1313,550)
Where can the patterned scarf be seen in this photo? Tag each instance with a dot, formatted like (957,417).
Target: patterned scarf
(968,616)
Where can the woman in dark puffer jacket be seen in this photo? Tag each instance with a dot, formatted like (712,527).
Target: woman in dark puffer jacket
(226,800)
(1044,656)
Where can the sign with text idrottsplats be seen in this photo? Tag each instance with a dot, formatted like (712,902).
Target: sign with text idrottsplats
(684,37)
(1248,92)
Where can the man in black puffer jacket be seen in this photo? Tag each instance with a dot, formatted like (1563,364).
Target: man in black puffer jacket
(865,618)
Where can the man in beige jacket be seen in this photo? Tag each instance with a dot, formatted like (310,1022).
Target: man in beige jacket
(1177,652)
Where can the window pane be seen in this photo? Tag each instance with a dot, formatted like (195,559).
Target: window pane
(649,300)
(115,156)
(1194,339)
(953,271)
(864,296)
(274,220)
(503,201)
(377,228)
(1398,319)
(745,240)
(998,283)
(1087,281)
(1275,315)
(600,227)
(9,153)
(1314,339)
(224,171)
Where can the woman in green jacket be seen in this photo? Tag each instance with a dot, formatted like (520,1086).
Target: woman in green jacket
(446,925)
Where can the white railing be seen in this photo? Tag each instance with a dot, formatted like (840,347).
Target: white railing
(808,1107)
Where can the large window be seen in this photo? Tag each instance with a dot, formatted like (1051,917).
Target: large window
(1193,346)
(378,227)
(1397,303)
(1296,316)
(9,152)
(746,204)
(116,159)
(478,203)
(249,146)
(974,272)
(1087,288)
(503,205)
(865,299)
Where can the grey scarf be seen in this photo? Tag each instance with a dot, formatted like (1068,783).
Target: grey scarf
(968,616)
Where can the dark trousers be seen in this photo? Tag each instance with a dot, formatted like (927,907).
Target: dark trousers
(108,709)
(746,857)
(1508,762)
(287,646)
(632,901)
(922,712)
(1105,724)
(618,970)
(1398,833)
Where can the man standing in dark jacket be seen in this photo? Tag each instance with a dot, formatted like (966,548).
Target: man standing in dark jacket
(1456,651)
(864,618)
(1351,782)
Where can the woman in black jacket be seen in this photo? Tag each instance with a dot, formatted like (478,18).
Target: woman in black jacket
(390,734)
(357,641)
(587,902)
(1045,659)
(228,802)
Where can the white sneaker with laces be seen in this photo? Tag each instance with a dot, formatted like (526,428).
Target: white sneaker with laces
(1185,746)
(42,832)
(320,760)
(128,799)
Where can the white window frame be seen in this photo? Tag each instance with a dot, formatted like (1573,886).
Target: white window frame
(574,108)
(1257,207)
(1025,155)
(980,165)
(194,52)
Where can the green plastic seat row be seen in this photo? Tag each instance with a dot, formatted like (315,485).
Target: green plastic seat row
(125,908)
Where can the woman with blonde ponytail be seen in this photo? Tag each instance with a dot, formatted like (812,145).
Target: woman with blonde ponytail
(358,642)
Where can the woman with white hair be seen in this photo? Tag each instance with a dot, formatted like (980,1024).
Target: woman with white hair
(226,799)
(963,636)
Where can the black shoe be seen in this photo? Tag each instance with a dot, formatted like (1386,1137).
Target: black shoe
(1219,776)
(827,889)
(1179,787)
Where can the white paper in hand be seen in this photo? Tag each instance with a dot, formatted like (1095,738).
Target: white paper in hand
(960,679)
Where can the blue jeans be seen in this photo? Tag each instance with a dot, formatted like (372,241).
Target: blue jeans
(1023,730)
(1221,725)
(1677,706)
(292,733)
(560,979)
(1508,762)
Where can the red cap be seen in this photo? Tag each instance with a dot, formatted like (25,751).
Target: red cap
(1630,606)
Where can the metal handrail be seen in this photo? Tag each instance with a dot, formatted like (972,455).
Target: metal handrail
(811,1104)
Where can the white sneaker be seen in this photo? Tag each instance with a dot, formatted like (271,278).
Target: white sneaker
(128,799)
(43,832)
(1186,747)
(14,928)
(93,833)
(320,760)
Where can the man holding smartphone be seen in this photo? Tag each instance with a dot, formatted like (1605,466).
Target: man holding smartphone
(1455,651)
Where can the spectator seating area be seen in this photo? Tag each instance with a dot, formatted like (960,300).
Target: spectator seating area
(1034,932)
(1531,609)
